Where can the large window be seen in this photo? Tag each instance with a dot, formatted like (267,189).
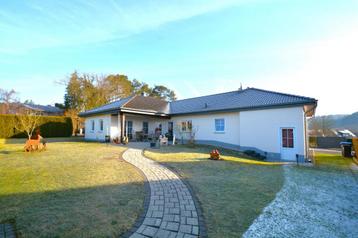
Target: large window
(145,127)
(220,125)
(92,125)
(101,125)
(287,138)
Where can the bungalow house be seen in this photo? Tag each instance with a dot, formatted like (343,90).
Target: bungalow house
(271,123)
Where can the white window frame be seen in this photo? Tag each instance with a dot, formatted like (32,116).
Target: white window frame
(223,125)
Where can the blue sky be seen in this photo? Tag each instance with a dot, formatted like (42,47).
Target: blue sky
(195,47)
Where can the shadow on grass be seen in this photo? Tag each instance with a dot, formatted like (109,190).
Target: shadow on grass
(202,152)
(16,141)
(102,211)
(231,195)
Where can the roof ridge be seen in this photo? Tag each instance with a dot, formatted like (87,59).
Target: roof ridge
(239,91)
(109,103)
(130,99)
(285,94)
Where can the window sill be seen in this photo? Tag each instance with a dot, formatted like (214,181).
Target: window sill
(219,132)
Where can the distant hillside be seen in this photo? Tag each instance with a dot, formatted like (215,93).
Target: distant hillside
(349,122)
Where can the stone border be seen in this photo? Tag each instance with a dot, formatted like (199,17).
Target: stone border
(202,225)
(140,219)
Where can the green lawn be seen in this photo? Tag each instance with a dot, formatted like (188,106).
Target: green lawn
(73,189)
(331,161)
(232,192)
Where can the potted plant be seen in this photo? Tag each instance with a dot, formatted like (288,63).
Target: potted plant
(214,155)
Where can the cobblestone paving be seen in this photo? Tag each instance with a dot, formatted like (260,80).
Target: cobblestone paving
(171,211)
(6,231)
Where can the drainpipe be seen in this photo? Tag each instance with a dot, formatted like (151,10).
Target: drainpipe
(306,135)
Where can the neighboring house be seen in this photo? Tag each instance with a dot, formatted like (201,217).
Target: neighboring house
(343,133)
(18,108)
(271,123)
(45,110)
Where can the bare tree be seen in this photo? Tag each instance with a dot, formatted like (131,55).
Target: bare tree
(322,125)
(27,122)
(7,97)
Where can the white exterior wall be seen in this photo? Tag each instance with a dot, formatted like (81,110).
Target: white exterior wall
(205,126)
(259,129)
(96,134)
(262,128)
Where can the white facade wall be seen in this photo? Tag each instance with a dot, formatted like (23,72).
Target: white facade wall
(204,125)
(262,128)
(259,129)
(97,134)
(111,125)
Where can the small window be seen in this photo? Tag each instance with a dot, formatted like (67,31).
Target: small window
(219,125)
(287,138)
(92,125)
(189,125)
(183,125)
(101,125)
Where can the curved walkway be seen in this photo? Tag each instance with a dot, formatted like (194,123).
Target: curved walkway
(171,210)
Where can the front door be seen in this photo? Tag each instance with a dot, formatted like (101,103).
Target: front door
(170,130)
(288,144)
(129,129)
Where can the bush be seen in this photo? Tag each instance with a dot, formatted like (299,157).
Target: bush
(312,142)
(50,126)
(254,154)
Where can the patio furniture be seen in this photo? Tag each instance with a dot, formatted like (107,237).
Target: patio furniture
(139,136)
(163,140)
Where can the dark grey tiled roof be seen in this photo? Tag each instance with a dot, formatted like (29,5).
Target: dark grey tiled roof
(247,99)
(250,98)
(42,108)
(113,106)
(148,104)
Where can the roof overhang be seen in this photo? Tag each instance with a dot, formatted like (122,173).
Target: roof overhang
(248,108)
(310,109)
(125,110)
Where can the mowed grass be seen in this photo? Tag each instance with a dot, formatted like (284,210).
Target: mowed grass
(73,189)
(332,161)
(232,192)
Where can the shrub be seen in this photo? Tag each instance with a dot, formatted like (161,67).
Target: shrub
(254,154)
(312,142)
(50,126)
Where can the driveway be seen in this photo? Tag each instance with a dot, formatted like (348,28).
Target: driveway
(334,151)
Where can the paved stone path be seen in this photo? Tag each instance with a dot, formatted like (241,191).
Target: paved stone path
(6,231)
(171,211)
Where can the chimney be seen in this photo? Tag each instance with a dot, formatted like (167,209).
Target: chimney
(240,89)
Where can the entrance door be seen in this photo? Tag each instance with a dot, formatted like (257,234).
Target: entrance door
(170,130)
(129,129)
(288,149)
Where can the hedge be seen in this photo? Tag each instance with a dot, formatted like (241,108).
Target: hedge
(50,126)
